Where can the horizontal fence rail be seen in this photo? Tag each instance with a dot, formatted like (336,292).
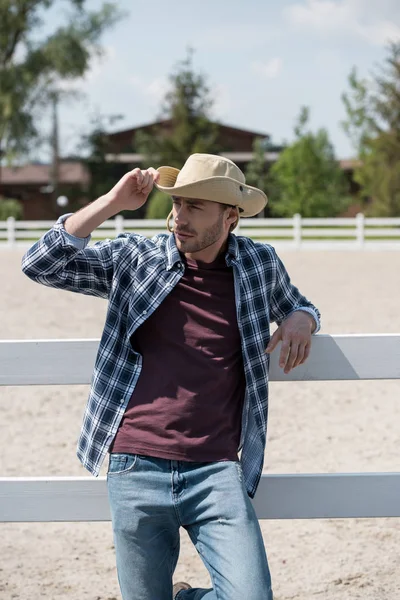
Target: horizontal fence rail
(313,496)
(300,496)
(332,357)
(296,233)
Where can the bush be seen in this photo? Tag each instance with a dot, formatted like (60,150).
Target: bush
(158,206)
(10,208)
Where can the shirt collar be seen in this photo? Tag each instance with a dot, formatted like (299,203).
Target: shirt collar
(173,256)
(233,247)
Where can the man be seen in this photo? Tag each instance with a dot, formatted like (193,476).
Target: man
(180,384)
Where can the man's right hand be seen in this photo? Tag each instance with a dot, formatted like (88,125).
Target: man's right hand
(133,189)
(130,193)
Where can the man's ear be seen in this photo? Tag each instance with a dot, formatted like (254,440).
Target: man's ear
(233,217)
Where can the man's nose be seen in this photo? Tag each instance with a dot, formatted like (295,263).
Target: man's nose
(181,215)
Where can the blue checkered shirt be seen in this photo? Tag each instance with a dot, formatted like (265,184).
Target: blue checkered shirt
(135,274)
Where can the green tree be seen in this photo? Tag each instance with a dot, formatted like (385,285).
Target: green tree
(158,205)
(258,174)
(31,66)
(307,177)
(95,147)
(10,208)
(373,125)
(188,104)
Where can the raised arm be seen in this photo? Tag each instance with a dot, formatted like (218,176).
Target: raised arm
(62,259)
(130,193)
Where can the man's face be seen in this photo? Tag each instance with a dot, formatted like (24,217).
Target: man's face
(199,224)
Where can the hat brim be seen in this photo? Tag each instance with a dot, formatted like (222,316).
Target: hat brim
(225,190)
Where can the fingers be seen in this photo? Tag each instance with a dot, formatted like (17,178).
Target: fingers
(297,356)
(284,354)
(288,356)
(296,346)
(145,180)
(273,342)
(306,353)
(154,173)
(300,355)
(153,176)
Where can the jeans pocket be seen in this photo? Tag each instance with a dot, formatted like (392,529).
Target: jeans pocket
(239,470)
(121,463)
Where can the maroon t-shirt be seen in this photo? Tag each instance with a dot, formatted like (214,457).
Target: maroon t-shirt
(187,404)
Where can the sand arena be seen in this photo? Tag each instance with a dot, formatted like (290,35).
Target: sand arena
(313,427)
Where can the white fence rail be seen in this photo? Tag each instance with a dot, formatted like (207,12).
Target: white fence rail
(296,233)
(303,496)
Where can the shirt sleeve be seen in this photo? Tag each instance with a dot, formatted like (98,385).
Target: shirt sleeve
(286,298)
(64,261)
(78,242)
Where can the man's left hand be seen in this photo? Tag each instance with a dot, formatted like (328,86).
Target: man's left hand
(295,335)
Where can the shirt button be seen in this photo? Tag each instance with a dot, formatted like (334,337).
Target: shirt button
(122,400)
(145,312)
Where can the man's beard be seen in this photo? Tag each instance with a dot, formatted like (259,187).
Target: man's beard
(208,238)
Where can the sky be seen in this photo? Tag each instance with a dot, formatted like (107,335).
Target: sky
(263,60)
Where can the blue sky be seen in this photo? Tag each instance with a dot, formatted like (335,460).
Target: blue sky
(264,59)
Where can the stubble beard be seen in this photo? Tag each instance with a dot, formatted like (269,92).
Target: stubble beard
(209,238)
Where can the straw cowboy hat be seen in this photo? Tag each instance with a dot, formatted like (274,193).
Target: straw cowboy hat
(214,178)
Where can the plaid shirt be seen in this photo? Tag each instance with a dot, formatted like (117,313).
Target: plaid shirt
(135,274)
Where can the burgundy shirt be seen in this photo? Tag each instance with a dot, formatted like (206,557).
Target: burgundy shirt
(187,404)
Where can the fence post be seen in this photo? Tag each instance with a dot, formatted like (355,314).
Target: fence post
(360,230)
(297,231)
(11,237)
(119,224)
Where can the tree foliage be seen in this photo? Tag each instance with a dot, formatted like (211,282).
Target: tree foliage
(258,174)
(256,171)
(10,208)
(188,104)
(158,205)
(373,124)
(31,65)
(94,145)
(307,178)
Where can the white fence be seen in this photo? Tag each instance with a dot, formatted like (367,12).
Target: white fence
(296,233)
(300,496)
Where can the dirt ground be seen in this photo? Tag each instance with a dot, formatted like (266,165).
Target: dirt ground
(313,427)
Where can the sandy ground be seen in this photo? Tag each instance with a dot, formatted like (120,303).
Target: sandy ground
(313,427)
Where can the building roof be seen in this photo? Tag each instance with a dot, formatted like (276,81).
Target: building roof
(39,174)
(167,122)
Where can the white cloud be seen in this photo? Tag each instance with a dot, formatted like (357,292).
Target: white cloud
(269,69)
(222,102)
(99,64)
(374,21)
(154,89)
(235,37)
(317,14)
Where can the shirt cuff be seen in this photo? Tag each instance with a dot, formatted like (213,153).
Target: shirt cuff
(79,243)
(311,312)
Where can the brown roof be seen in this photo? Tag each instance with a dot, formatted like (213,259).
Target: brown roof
(168,122)
(69,172)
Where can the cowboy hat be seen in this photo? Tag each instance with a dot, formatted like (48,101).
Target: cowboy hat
(214,178)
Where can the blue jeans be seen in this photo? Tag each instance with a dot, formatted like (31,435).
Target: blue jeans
(151,498)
